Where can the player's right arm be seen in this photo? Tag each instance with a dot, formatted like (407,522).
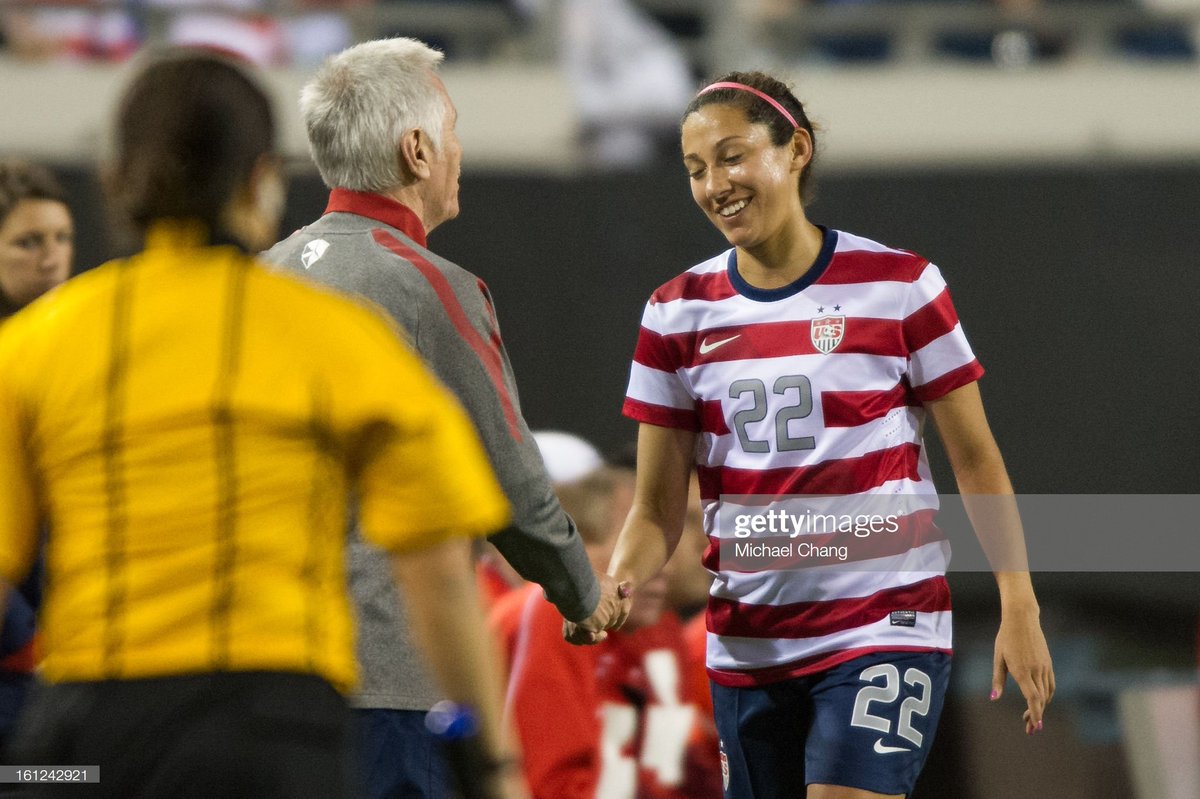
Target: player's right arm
(665,457)
(667,435)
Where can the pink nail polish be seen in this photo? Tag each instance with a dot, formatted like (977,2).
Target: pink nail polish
(994,695)
(1039,725)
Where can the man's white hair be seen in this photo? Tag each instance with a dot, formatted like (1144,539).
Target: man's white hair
(361,102)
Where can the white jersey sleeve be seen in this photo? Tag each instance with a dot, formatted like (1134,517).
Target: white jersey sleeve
(939,357)
(657,393)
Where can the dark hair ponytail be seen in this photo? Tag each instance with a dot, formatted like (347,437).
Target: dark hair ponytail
(190,128)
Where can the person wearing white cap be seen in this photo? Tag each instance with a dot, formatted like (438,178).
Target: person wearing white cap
(568,457)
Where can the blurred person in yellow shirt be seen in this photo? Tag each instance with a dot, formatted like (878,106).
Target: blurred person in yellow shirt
(192,425)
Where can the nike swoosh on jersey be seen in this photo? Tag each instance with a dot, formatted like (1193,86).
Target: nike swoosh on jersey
(707,347)
(883,749)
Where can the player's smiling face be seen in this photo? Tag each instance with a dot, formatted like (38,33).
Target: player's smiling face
(746,185)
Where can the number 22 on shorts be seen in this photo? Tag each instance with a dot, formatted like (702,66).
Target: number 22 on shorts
(887,694)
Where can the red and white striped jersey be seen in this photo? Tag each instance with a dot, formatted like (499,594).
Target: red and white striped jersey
(812,389)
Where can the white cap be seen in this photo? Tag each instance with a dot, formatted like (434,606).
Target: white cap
(568,457)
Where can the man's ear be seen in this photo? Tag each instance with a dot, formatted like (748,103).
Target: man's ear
(415,153)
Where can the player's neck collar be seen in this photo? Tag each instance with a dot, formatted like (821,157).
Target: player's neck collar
(741,286)
(380,208)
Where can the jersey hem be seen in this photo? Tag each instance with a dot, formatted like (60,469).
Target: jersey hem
(755,678)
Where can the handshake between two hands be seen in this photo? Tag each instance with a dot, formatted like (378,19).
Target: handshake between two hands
(610,613)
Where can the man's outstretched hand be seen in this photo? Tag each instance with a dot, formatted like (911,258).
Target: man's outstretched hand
(610,613)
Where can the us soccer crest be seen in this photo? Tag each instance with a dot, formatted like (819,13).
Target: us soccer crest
(827,332)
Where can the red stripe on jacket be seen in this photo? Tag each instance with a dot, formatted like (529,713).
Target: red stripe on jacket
(488,353)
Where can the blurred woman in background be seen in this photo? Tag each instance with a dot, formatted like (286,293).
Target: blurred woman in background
(37,249)
(37,235)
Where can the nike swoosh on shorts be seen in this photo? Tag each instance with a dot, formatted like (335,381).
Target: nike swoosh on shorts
(883,749)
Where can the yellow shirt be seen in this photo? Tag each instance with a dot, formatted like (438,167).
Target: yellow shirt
(191,424)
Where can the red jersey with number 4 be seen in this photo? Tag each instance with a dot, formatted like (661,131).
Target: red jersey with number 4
(611,721)
(812,390)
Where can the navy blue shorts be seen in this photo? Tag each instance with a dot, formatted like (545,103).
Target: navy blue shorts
(398,758)
(868,724)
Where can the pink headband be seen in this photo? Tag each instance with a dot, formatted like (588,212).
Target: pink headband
(761,95)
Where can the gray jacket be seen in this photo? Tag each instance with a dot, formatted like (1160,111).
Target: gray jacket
(374,247)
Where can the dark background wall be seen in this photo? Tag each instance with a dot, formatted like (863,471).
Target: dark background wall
(1079,289)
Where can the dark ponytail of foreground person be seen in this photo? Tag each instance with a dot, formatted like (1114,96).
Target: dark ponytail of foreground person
(195,140)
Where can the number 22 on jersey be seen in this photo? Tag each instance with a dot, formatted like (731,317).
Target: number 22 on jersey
(797,392)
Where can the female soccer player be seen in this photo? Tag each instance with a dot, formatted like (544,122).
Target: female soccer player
(803,361)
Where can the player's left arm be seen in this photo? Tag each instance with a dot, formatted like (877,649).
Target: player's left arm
(987,493)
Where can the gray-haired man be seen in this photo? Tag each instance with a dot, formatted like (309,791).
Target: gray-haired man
(381,130)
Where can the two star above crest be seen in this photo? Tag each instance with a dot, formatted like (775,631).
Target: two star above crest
(821,308)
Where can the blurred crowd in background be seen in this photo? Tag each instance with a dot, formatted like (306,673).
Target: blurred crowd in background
(632,64)
(300,32)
